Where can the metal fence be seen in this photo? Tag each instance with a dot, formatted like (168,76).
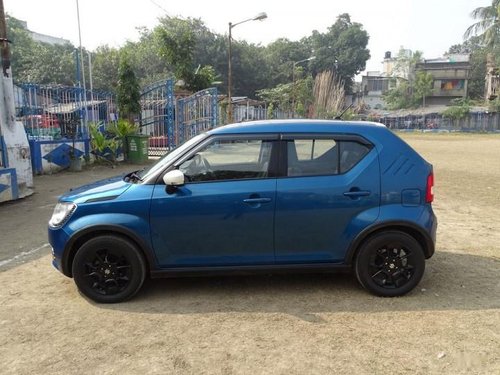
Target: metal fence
(195,114)
(158,116)
(474,122)
(51,112)
(169,119)
(245,112)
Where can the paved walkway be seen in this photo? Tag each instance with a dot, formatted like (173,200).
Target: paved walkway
(23,223)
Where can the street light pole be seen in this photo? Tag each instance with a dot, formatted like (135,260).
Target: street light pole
(80,41)
(293,81)
(229,79)
(258,17)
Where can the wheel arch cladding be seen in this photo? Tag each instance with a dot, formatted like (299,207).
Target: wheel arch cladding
(80,238)
(424,241)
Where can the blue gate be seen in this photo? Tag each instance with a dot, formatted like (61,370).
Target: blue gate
(170,119)
(196,114)
(56,121)
(158,116)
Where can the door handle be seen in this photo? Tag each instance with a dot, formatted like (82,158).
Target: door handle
(357,193)
(257,200)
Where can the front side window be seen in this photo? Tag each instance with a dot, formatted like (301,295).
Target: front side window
(224,159)
(170,157)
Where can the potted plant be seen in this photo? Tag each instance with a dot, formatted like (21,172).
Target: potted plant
(121,130)
(102,147)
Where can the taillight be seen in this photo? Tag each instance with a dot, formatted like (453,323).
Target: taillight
(429,191)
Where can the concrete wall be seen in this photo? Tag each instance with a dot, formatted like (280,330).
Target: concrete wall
(53,156)
(15,148)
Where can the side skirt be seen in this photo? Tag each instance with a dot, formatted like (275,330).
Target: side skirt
(248,270)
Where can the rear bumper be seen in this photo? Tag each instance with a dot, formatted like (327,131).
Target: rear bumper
(432,230)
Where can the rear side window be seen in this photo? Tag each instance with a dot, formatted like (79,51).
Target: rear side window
(350,154)
(310,157)
(313,157)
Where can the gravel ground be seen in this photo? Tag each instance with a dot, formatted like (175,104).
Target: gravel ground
(291,324)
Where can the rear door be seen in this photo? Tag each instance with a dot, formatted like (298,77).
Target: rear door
(331,190)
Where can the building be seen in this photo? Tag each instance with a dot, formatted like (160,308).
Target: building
(451,77)
(43,38)
(375,84)
(492,87)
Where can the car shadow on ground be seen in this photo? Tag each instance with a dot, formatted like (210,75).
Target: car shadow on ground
(453,281)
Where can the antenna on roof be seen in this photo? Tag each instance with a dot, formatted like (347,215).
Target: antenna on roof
(339,117)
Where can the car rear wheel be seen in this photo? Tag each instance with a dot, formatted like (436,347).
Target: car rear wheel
(390,264)
(108,269)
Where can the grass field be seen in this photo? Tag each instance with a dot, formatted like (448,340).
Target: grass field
(294,324)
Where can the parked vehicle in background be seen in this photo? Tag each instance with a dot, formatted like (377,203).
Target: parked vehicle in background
(42,126)
(42,121)
(265,196)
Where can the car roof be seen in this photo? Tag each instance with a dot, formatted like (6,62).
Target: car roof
(300,126)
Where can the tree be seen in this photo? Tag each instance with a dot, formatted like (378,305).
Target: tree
(177,45)
(187,49)
(128,94)
(474,47)
(342,49)
(21,47)
(488,25)
(279,96)
(53,64)
(459,110)
(423,86)
(400,95)
(105,65)
(282,96)
(38,62)
(146,59)
(250,72)
(280,56)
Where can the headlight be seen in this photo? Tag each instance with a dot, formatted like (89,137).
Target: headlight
(62,212)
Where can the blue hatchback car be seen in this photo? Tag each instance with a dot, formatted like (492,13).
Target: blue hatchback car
(262,196)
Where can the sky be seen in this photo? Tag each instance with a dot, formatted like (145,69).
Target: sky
(431,26)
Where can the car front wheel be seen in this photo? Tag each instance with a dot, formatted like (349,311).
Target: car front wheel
(108,269)
(390,264)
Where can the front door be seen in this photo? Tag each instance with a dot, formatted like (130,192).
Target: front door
(224,214)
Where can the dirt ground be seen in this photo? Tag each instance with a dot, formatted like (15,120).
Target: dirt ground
(294,324)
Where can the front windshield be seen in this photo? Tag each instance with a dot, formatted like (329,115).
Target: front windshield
(171,156)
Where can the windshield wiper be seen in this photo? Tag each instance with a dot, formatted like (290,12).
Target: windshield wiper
(132,176)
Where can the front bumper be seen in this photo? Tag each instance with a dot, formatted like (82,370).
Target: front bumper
(56,262)
(58,239)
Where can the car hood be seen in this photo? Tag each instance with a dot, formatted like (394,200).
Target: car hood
(101,190)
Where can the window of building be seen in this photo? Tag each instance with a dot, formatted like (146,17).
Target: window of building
(452,84)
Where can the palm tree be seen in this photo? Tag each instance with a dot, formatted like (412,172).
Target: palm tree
(488,25)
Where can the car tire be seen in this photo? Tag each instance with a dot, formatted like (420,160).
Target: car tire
(108,269)
(390,264)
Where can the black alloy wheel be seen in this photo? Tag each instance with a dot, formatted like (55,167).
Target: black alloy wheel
(108,269)
(390,264)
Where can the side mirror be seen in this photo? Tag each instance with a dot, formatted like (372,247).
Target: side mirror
(174,178)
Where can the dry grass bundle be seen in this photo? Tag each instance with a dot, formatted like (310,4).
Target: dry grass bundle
(329,95)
